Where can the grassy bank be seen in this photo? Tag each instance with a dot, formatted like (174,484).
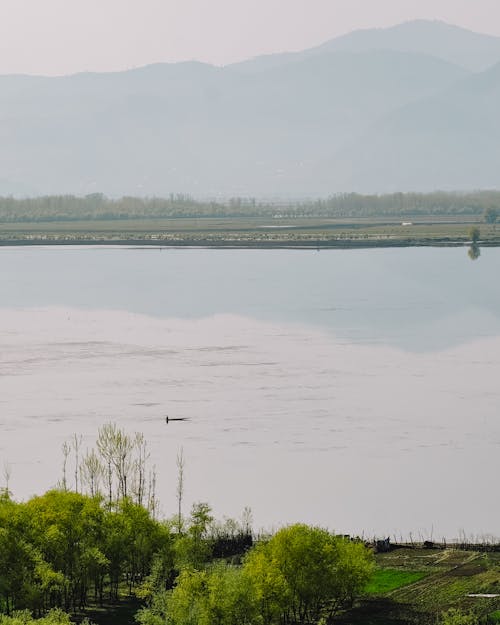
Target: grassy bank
(252,232)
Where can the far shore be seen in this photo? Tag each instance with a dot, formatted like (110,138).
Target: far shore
(247,244)
(261,232)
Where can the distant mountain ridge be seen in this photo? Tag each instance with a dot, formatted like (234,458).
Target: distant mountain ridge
(470,50)
(357,113)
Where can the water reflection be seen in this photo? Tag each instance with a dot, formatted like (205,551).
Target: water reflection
(276,407)
(474,251)
(410,298)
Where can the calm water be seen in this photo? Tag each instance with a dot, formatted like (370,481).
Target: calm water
(357,389)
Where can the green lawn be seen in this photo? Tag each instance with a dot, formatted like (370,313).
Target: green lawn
(385,580)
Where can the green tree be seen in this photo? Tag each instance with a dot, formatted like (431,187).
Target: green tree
(66,528)
(54,617)
(193,549)
(457,617)
(474,234)
(19,560)
(474,251)
(304,573)
(491,215)
(220,595)
(132,541)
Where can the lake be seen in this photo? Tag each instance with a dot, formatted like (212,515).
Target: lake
(356,389)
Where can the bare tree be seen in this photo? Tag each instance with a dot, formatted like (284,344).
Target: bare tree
(66,449)
(91,473)
(122,461)
(180,487)
(152,503)
(105,447)
(139,468)
(77,442)
(247,520)
(123,466)
(7,474)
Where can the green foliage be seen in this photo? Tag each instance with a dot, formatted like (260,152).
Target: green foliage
(303,573)
(63,548)
(385,580)
(54,617)
(474,251)
(491,215)
(474,234)
(299,576)
(457,617)
(220,595)
(98,207)
(66,549)
(193,549)
(161,577)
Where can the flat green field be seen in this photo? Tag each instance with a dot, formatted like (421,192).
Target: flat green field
(385,580)
(416,585)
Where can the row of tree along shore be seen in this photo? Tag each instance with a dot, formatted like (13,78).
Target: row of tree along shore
(96,206)
(97,538)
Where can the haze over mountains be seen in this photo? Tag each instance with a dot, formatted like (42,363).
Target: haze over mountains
(413,107)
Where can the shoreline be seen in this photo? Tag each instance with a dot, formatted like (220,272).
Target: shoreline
(232,245)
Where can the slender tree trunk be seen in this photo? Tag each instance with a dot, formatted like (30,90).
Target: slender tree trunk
(180,487)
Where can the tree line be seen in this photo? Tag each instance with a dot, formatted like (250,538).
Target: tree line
(97,536)
(96,206)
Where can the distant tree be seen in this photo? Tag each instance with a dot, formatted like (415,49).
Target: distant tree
(491,215)
(96,206)
(474,251)
(474,234)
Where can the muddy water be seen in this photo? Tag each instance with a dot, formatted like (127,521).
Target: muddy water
(354,389)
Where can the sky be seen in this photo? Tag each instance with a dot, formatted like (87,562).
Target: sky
(56,37)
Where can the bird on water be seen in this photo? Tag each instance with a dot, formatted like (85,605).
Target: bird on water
(168,419)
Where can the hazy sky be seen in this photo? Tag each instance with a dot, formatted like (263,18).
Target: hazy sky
(66,36)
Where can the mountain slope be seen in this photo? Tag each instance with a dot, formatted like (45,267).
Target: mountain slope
(448,141)
(196,128)
(472,51)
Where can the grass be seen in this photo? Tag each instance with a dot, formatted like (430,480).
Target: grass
(386,580)
(120,613)
(416,585)
(252,231)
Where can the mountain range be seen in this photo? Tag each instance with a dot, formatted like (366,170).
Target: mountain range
(414,107)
